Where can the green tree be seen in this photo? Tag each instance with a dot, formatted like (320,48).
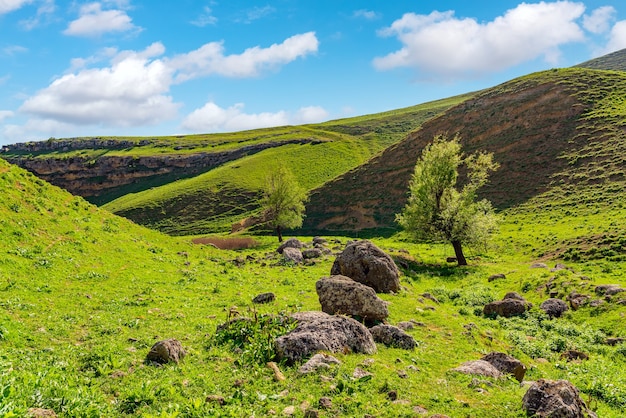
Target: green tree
(283,201)
(437,210)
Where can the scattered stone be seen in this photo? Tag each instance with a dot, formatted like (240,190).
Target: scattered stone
(420,410)
(365,263)
(406,325)
(41,413)
(335,334)
(264,298)
(553,307)
(392,395)
(538,266)
(311,253)
(576,300)
(496,277)
(478,367)
(555,398)
(289,410)
(451,260)
(290,243)
(559,267)
(507,307)
(608,289)
(325,402)
(319,241)
(393,337)
(342,295)
(514,295)
(359,373)
(571,355)
(166,351)
(293,254)
(311,413)
(614,341)
(506,364)
(216,399)
(430,297)
(318,361)
(278,375)
(596,303)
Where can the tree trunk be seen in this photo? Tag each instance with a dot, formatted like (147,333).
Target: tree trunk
(458,251)
(279,233)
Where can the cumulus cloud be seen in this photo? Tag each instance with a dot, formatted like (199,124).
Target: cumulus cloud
(7,6)
(213,118)
(209,59)
(599,21)
(132,91)
(133,87)
(93,21)
(5,114)
(441,45)
(617,38)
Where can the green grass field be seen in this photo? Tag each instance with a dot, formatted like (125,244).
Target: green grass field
(85,294)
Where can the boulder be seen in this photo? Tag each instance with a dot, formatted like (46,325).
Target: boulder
(393,337)
(576,300)
(478,367)
(539,266)
(608,289)
(307,316)
(312,253)
(553,307)
(365,263)
(571,355)
(507,307)
(334,334)
(290,243)
(318,361)
(342,295)
(555,398)
(264,298)
(293,254)
(506,364)
(166,351)
(496,277)
(319,241)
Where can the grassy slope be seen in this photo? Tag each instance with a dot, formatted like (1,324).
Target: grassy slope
(550,131)
(213,201)
(85,294)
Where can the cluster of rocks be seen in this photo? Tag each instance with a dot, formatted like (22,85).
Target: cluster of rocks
(293,250)
(349,302)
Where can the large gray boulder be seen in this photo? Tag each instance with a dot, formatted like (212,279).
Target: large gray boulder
(334,334)
(393,337)
(290,243)
(513,304)
(365,263)
(506,364)
(553,307)
(166,351)
(478,367)
(342,295)
(293,254)
(555,399)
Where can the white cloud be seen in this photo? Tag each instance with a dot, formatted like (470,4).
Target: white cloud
(5,114)
(617,38)
(13,50)
(212,118)
(209,59)
(599,21)
(256,13)
(205,19)
(366,14)
(444,46)
(94,21)
(132,91)
(7,6)
(44,11)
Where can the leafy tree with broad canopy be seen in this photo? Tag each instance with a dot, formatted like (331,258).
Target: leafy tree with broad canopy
(437,210)
(283,201)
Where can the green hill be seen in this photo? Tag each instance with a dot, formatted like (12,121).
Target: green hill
(85,294)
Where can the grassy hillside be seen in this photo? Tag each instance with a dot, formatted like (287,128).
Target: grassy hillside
(551,131)
(213,201)
(85,294)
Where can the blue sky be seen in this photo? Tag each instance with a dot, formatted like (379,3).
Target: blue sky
(139,67)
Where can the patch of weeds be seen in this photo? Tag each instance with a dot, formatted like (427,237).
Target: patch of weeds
(254,337)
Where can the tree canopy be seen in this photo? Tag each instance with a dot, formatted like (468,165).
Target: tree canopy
(437,209)
(283,201)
